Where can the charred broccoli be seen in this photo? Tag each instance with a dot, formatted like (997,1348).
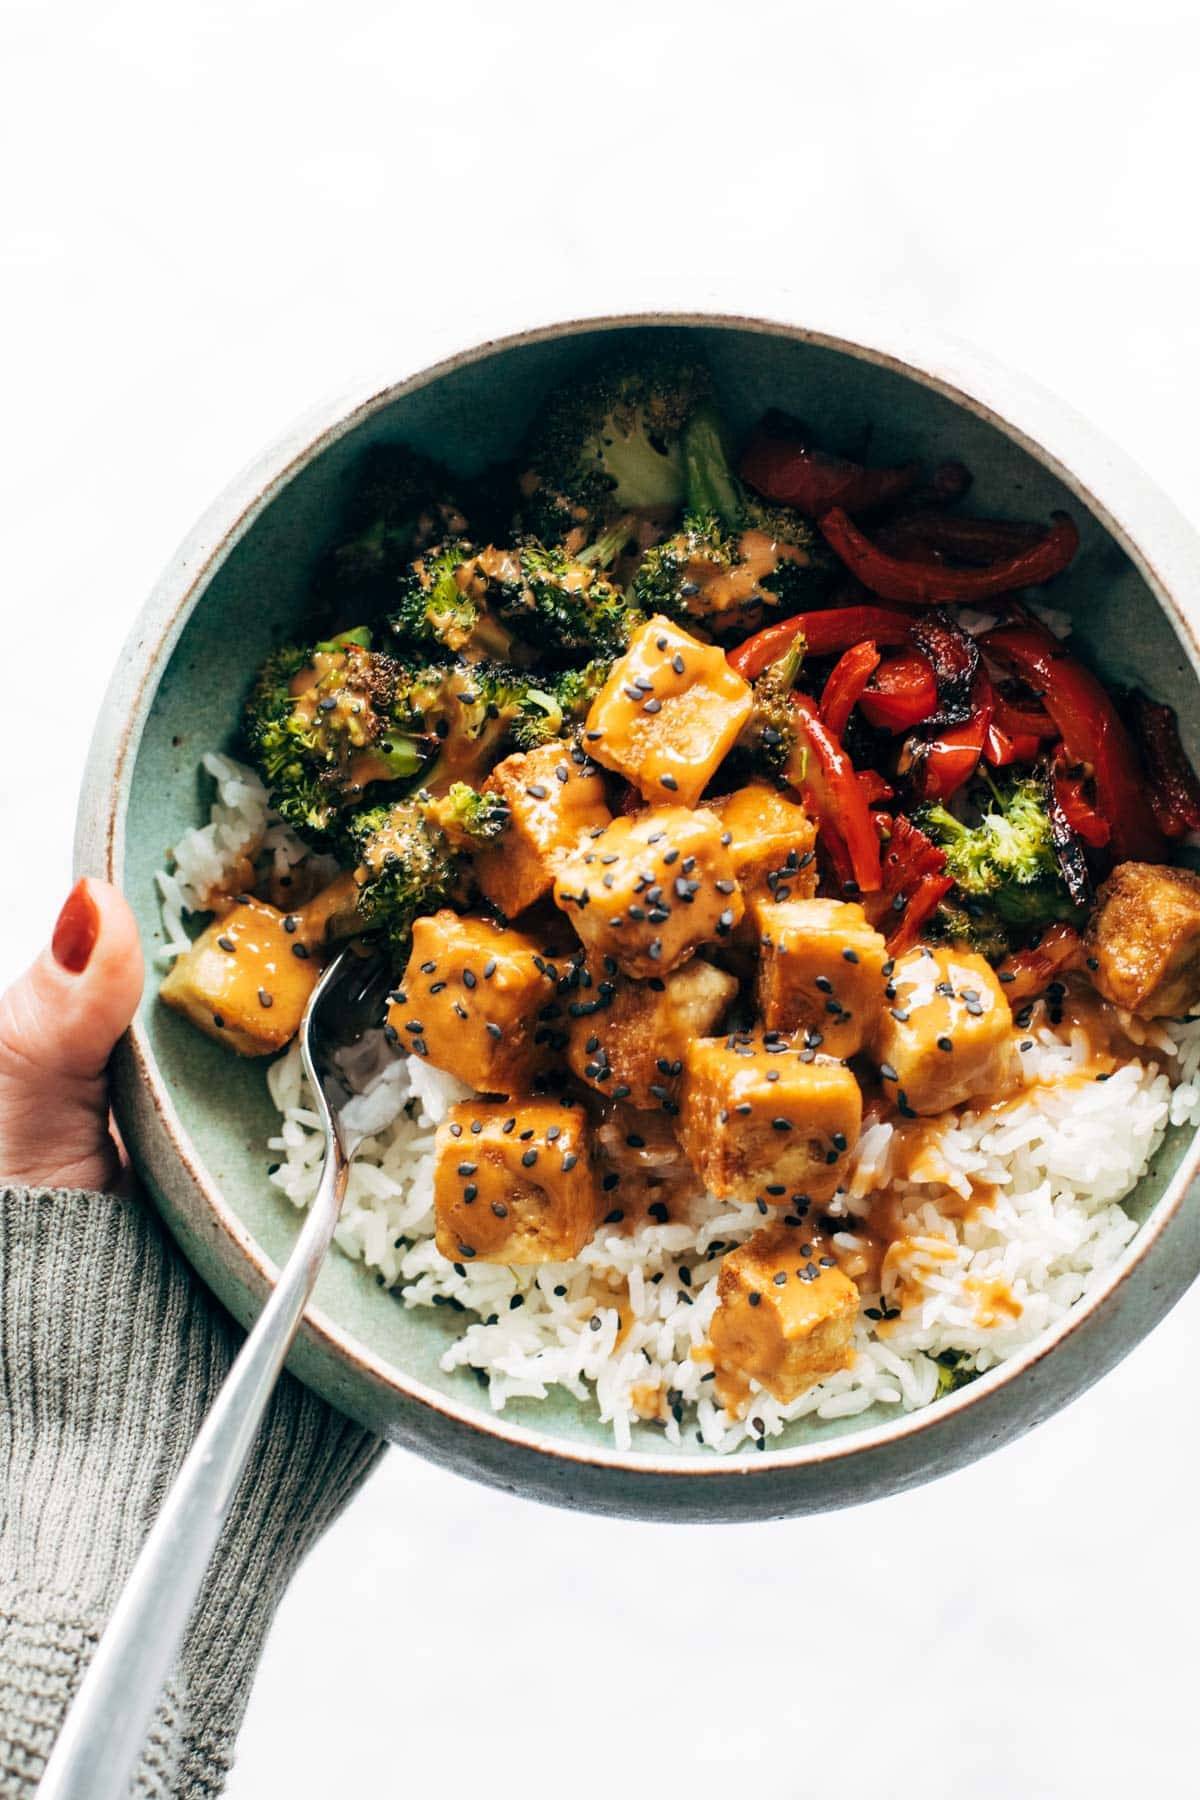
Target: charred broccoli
(401,503)
(558,601)
(734,557)
(323,722)
(442,604)
(1005,867)
(405,867)
(768,745)
(609,442)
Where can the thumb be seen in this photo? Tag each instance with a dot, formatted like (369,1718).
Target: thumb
(58,1024)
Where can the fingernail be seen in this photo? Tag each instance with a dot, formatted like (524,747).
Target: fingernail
(76,930)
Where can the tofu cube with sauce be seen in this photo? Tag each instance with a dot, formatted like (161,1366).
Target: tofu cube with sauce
(514,1182)
(783,1319)
(771,843)
(631,1047)
(1143,944)
(946,1035)
(247,978)
(759,1112)
(650,888)
(668,714)
(820,971)
(471,1001)
(552,800)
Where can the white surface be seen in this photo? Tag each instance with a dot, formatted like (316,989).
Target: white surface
(213,215)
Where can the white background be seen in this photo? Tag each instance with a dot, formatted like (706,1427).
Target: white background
(211,215)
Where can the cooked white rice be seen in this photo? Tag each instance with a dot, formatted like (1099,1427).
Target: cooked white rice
(625,1325)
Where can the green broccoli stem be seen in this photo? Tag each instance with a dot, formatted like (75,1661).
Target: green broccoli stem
(608,546)
(711,484)
(785,673)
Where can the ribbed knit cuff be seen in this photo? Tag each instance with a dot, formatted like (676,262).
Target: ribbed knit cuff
(111,1352)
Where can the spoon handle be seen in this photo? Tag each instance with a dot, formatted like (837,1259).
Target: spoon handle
(110,1717)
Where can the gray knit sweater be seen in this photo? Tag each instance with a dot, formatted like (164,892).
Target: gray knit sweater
(110,1354)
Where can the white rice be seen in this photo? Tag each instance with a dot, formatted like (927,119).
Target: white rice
(626,1324)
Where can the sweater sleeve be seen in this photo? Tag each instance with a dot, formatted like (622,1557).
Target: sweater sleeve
(111,1352)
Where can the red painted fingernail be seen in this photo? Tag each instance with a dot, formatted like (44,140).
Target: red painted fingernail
(76,930)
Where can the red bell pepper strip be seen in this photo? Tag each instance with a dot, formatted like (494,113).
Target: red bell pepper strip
(919,535)
(1091,730)
(933,584)
(901,693)
(940,765)
(831,792)
(786,470)
(1174,789)
(848,678)
(1079,812)
(914,881)
(825,634)
(924,900)
(1016,733)
(954,658)
(875,788)
(1028,973)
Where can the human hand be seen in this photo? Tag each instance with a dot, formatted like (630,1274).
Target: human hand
(58,1024)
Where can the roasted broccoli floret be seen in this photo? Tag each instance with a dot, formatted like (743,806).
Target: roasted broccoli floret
(1005,867)
(323,722)
(404,866)
(558,601)
(465,817)
(606,442)
(401,503)
(767,746)
(442,604)
(734,558)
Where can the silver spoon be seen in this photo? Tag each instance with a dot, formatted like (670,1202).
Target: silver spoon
(110,1717)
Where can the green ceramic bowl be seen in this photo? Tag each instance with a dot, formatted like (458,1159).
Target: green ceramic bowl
(196,1119)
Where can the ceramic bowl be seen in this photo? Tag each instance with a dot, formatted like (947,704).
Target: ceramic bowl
(196,1119)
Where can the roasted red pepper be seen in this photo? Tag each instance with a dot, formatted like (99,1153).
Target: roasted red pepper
(1091,731)
(787,470)
(938,766)
(1016,733)
(1078,810)
(825,634)
(953,655)
(1029,972)
(933,584)
(1174,790)
(914,881)
(922,534)
(875,789)
(846,682)
(832,793)
(901,693)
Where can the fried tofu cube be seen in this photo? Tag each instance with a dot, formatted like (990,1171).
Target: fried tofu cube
(247,978)
(947,1034)
(758,1112)
(632,1046)
(781,1318)
(771,843)
(471,1001)
(820,971)
(651,888)
(1143,944)
(552,800)
(669,714)
(513,1182)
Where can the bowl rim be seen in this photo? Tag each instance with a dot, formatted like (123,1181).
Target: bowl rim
(1122,498)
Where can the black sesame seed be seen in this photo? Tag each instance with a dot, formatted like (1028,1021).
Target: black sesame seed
(614,1217)
(670,783)
(945,1043)
(887,1072)
(301,951)
(754,1299)
(569,1161)
(471,1194)
(218,1021)
(781,1124)
(265,999)
(468,978)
